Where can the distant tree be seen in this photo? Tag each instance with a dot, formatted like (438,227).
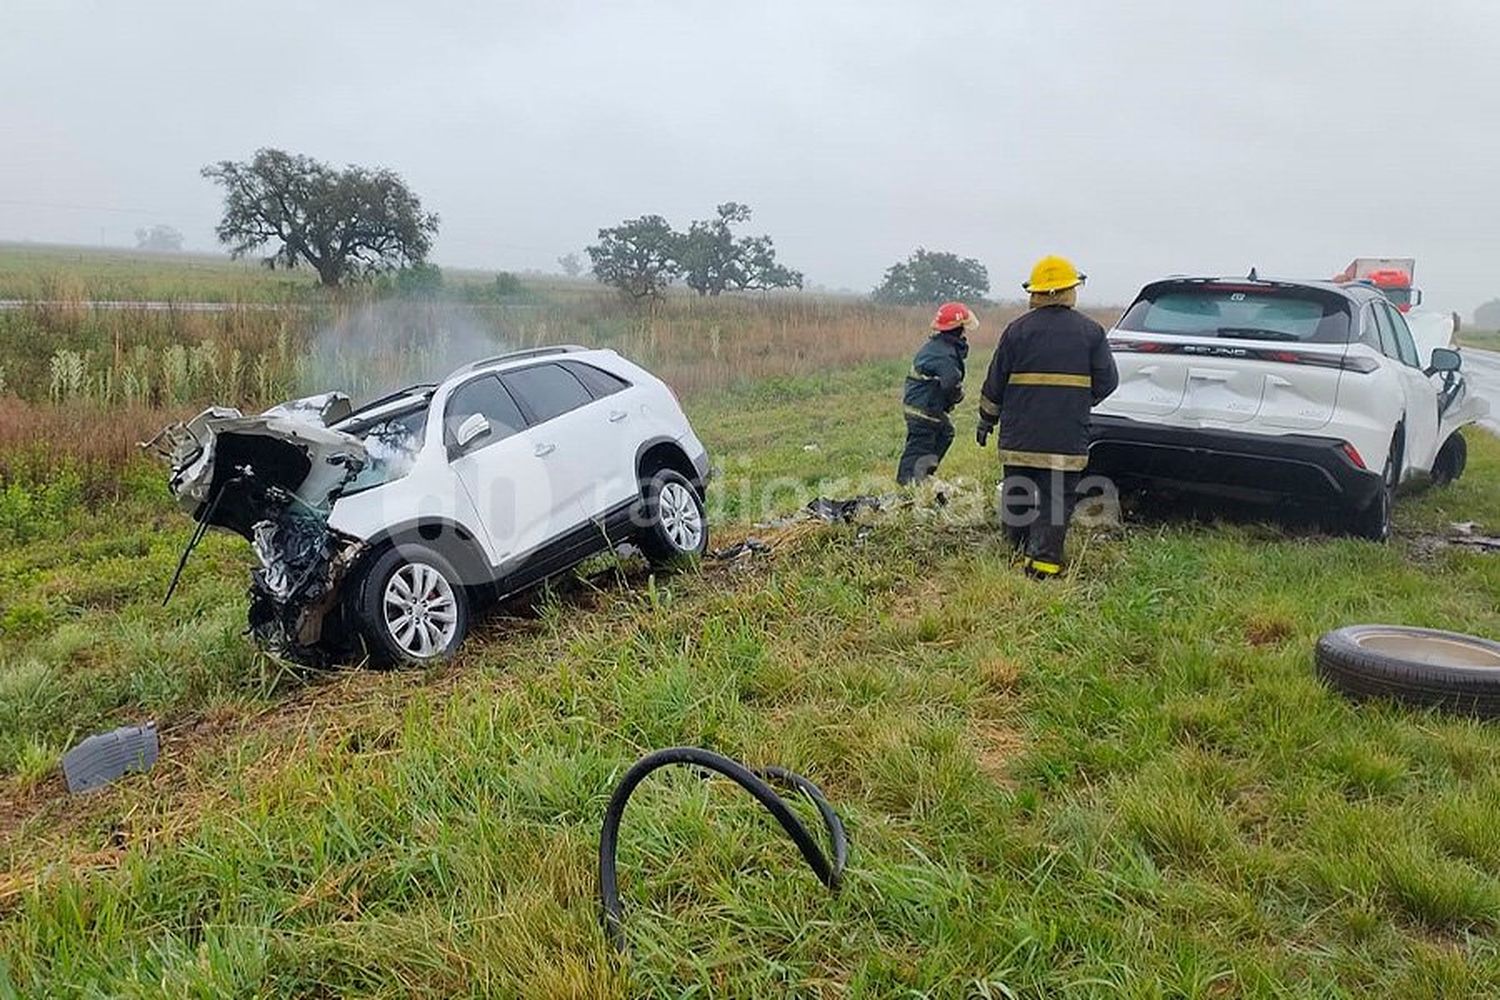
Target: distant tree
(570,264)
(1487,316)
(639,257)
(759,269)
(345,224)
(158,239)
(508,284)
(934,276)
(714,261)
(421,279)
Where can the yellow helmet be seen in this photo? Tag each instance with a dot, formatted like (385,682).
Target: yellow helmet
(1053,274)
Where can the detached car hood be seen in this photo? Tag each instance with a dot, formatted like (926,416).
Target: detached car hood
(230,470)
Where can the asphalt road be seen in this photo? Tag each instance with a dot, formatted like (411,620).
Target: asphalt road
(1482,369)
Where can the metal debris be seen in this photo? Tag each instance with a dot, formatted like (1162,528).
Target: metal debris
(746,549)
(834,511)
(106,757)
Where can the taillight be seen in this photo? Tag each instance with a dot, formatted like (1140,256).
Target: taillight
(1360,363)
(1353,454)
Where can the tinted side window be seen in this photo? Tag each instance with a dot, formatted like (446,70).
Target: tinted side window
(599,383)
(547,391)
(487,396)
(1406,347)
(1387,333)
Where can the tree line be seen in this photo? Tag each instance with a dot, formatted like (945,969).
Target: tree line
(642,257)
(356,223)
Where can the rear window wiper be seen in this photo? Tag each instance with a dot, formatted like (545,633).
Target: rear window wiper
(1255,333)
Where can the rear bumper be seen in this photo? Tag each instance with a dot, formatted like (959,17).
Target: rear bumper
(1296,466)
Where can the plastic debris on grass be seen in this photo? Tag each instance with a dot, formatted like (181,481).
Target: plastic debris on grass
(106,757)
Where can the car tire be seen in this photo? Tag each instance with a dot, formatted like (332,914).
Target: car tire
(674,523)
(1373,521)
(1419,666)
(411,607)
(1452,459)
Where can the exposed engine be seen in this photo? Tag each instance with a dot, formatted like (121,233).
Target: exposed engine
(294,595)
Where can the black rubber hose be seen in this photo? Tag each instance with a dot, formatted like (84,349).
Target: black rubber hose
(831,822)
(829,874)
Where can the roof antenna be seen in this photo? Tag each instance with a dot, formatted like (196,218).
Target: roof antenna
(1253,275)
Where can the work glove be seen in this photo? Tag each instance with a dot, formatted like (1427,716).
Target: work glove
(982,434)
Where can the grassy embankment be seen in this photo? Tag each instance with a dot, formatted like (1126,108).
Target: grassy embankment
(1127,782)
(1488,340)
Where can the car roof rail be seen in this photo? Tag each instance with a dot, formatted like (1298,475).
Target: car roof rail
(530,352)
(411,390)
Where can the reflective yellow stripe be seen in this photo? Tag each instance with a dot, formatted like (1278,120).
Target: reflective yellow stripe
(920,377)
(1044,460)
(912,411)
(1052,378)
(988,407)
(1051,569)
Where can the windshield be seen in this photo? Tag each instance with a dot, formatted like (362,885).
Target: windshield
(1239,313)
(392,443)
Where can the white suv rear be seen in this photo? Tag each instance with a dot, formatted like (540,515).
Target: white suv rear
(379,529)
(1307,391)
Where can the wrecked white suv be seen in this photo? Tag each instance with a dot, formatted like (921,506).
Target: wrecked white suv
(380,530)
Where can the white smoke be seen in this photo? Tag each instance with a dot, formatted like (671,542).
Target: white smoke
(376,347)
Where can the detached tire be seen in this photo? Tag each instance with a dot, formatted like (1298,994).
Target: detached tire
(411,607)
(1449,670)
(675,525)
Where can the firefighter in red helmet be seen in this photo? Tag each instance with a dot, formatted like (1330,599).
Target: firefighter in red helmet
(934,387)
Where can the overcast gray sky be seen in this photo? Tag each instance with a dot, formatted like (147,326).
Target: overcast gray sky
(1140,138)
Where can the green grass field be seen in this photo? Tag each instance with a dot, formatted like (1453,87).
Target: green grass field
(1488,340)
(1127,782)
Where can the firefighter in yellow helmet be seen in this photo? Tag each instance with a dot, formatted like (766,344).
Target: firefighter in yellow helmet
(1050,367)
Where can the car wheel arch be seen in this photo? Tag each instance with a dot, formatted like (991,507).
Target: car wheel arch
(661,453)
(447,538)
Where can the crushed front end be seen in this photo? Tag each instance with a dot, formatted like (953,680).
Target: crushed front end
(295,608)
(272,479)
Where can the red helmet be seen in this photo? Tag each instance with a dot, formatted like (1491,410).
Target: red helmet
(954,314)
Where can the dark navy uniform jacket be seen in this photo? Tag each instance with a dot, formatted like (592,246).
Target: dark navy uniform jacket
(1050,367)
(936,382)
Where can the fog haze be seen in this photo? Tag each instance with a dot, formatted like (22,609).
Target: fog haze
(1138,138)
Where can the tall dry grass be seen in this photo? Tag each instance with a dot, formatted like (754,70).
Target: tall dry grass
(79,386)
(95,444)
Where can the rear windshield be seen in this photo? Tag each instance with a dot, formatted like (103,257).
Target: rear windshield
(1239,313)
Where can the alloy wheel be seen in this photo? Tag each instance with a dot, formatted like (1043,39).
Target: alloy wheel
(681,520)
(421,612)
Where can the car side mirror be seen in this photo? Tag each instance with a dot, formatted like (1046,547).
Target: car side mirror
(474,427)
(1444,359)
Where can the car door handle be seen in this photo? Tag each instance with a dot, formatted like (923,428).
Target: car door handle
(543,450)
(615,416)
